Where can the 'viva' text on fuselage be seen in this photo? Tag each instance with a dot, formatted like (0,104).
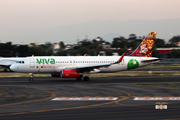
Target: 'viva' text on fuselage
(46,61)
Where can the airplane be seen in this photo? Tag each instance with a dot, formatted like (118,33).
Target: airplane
(79,66)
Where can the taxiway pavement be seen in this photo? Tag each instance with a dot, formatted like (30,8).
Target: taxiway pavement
(21,99)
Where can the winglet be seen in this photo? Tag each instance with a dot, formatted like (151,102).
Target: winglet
(85,54)
(120,60)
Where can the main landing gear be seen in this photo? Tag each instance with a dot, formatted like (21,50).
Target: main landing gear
(31,77)
(86,78)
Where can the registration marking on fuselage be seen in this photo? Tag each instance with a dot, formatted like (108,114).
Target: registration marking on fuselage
(157,98)
(84,98)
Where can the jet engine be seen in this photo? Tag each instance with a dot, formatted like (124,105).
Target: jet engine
(68,73)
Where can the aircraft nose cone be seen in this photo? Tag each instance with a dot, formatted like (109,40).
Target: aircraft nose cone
(12,68)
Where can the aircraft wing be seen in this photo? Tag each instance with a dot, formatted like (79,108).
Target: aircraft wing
(92,67)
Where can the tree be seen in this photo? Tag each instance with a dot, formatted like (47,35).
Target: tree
(92,46)
(155,52)
(22,50)
(62,46)
(175,39)
(117,42)
(6,53)
(159,43)
(92,52)
(85,44)
(83,50)
(61,53)
(132,37)
(76,47)
(109,52)
(171,45)
(175,53)
(134,44)
(121,51)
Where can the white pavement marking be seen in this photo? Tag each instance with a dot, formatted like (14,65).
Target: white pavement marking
(85,98)
(157,98)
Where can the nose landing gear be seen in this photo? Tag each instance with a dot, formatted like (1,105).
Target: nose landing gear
(31,77)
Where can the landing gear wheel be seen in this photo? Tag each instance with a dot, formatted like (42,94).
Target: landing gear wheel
(79,78)
(86,78)
(30,79)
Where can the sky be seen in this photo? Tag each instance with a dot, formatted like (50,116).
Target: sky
(19,18)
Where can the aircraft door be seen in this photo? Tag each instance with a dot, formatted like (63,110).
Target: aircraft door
(32,62)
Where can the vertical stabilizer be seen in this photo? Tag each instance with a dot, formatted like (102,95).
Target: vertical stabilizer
(146,47)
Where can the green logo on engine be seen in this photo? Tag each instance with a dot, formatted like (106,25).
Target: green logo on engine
(133,63)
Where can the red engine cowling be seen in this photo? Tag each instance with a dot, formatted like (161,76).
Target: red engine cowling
(68,73)
(55,75)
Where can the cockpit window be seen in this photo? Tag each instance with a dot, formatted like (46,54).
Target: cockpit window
(21,62)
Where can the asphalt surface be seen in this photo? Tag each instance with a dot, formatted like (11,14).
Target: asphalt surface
(21,99)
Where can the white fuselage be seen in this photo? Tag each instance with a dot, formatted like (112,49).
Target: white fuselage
(52,64)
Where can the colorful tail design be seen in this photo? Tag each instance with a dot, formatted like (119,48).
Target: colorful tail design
(146,47)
